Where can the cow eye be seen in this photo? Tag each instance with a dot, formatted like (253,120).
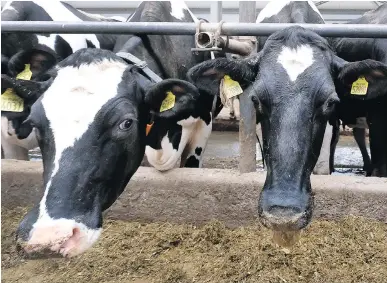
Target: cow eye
(125,125)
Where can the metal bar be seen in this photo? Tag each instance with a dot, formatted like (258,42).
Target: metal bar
(216,11)
(167,28)
(247,121)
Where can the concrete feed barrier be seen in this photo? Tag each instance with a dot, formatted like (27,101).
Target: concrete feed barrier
(197,195)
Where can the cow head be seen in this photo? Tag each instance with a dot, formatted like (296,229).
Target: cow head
(91,126)
(292,84)
(35,60)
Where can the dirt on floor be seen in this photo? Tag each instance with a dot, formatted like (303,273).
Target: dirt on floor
(348,250)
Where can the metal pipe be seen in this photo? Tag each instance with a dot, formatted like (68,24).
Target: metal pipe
(167,28)
(247,121)
(206,40)
(242,48)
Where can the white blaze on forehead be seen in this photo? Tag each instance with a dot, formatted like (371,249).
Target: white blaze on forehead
(58,12)
(296,61)
(271,9)
(72,102)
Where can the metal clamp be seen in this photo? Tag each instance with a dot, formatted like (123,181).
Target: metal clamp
(207,41)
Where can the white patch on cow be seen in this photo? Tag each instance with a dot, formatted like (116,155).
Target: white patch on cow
(271,9)
(313,6)
(296,61)
(59,236)
(322,164)
(166,158)
(199,138)
(71,103)
(177,9)
(58,12)
(8,6)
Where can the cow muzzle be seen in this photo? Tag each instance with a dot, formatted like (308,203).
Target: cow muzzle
(54,238)
(281,210)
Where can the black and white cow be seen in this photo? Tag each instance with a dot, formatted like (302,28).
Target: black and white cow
(353,107)
(298,12)
(292,82)
(41,52)
(91,121)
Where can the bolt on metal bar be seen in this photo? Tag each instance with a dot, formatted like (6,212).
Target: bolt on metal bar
(167,28)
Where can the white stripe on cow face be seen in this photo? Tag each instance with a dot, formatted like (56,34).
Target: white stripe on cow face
(271,9)
(71,104)
(296,61)
(58,12)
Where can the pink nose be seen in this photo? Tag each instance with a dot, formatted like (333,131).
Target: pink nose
(64,237)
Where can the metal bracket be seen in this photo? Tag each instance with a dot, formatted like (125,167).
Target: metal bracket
(211,40)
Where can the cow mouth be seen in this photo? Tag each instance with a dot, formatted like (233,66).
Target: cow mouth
(41,253)
(286,219)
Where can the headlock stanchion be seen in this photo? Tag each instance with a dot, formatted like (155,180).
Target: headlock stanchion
(209,36)
(167,28)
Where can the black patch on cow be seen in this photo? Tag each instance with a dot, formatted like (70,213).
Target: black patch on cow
(192,162)
(198,151)
(62,47)
(174,135)
(23,231)
(89,44)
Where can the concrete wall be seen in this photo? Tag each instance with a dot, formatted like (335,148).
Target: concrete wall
(198,195)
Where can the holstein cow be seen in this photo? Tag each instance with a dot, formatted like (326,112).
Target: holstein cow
(30,55)
(293,106)
(373,105)
(297,12)
(96,115)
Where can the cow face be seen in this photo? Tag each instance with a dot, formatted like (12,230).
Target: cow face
(91,127)
(292,84)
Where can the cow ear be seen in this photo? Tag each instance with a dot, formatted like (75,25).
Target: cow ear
(207,76)
(26,89)
(365,79)
(39,59)
(171,98)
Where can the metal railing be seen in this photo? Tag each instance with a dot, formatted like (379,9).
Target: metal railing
(167,28)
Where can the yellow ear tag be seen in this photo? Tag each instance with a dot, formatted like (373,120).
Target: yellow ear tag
(168,102)
(231,88)
(10,101)
(148,128)
(360,86)
(26,74)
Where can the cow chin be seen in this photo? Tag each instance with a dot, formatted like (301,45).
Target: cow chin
(50,238)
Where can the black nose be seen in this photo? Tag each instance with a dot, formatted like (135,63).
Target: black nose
(281,209)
